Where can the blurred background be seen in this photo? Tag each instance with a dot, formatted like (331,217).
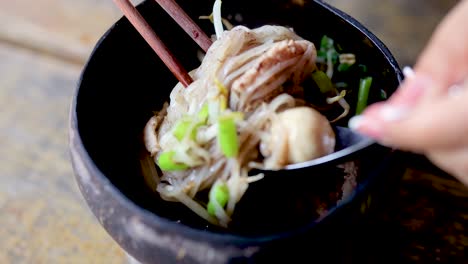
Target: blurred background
(43,218)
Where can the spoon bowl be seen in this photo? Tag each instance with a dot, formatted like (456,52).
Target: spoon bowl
(347,143)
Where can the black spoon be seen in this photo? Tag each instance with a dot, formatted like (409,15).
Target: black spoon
(347,143)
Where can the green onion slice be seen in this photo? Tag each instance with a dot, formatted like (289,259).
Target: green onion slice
(344,67)
(326,43)
(323,82)
(219,194)
(203,114)
(166,162)
(227,134)
(184,127)
(363,95)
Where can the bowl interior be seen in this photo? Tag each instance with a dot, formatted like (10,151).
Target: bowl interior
(124,82)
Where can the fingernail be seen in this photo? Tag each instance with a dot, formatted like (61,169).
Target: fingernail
(408,72)
(455,90)
(366,126)
(458,88)
(355,122)
(391,113)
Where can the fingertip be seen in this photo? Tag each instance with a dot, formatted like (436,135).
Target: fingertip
(408,72)
(366,125)
(355,122)
(391,113)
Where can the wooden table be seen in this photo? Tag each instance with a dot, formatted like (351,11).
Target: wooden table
(43,45)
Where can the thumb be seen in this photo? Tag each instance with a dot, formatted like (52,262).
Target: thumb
(422,114)
(428,125)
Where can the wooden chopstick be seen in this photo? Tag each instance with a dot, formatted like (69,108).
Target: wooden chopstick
(186,23)
(140,24)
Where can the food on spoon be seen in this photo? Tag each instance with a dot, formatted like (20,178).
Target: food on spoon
(297,134)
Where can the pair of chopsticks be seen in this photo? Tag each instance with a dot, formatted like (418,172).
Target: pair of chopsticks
(184,21)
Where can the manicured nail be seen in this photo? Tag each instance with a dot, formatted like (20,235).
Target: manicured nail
(455,90)
(408,72)
(355,122)
(366,126)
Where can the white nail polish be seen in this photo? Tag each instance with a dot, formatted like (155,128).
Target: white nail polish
(408,72)
(458,88)
(392,113)
(455,90)
(355,122)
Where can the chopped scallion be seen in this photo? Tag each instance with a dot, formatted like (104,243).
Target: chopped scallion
(180,129)
(322,54)
(363,68)
(326,43)
(363,95)
(184,127)
(334,56)
(227,136)
(327,50)
(203,114)
(166,162)
(383,94)
(219,194)
(323,82)
(343,67)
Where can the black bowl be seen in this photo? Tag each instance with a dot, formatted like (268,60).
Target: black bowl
(124,82)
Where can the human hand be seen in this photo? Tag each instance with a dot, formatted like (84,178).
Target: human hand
(428,114)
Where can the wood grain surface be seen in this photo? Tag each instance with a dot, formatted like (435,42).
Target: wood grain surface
(43,216)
